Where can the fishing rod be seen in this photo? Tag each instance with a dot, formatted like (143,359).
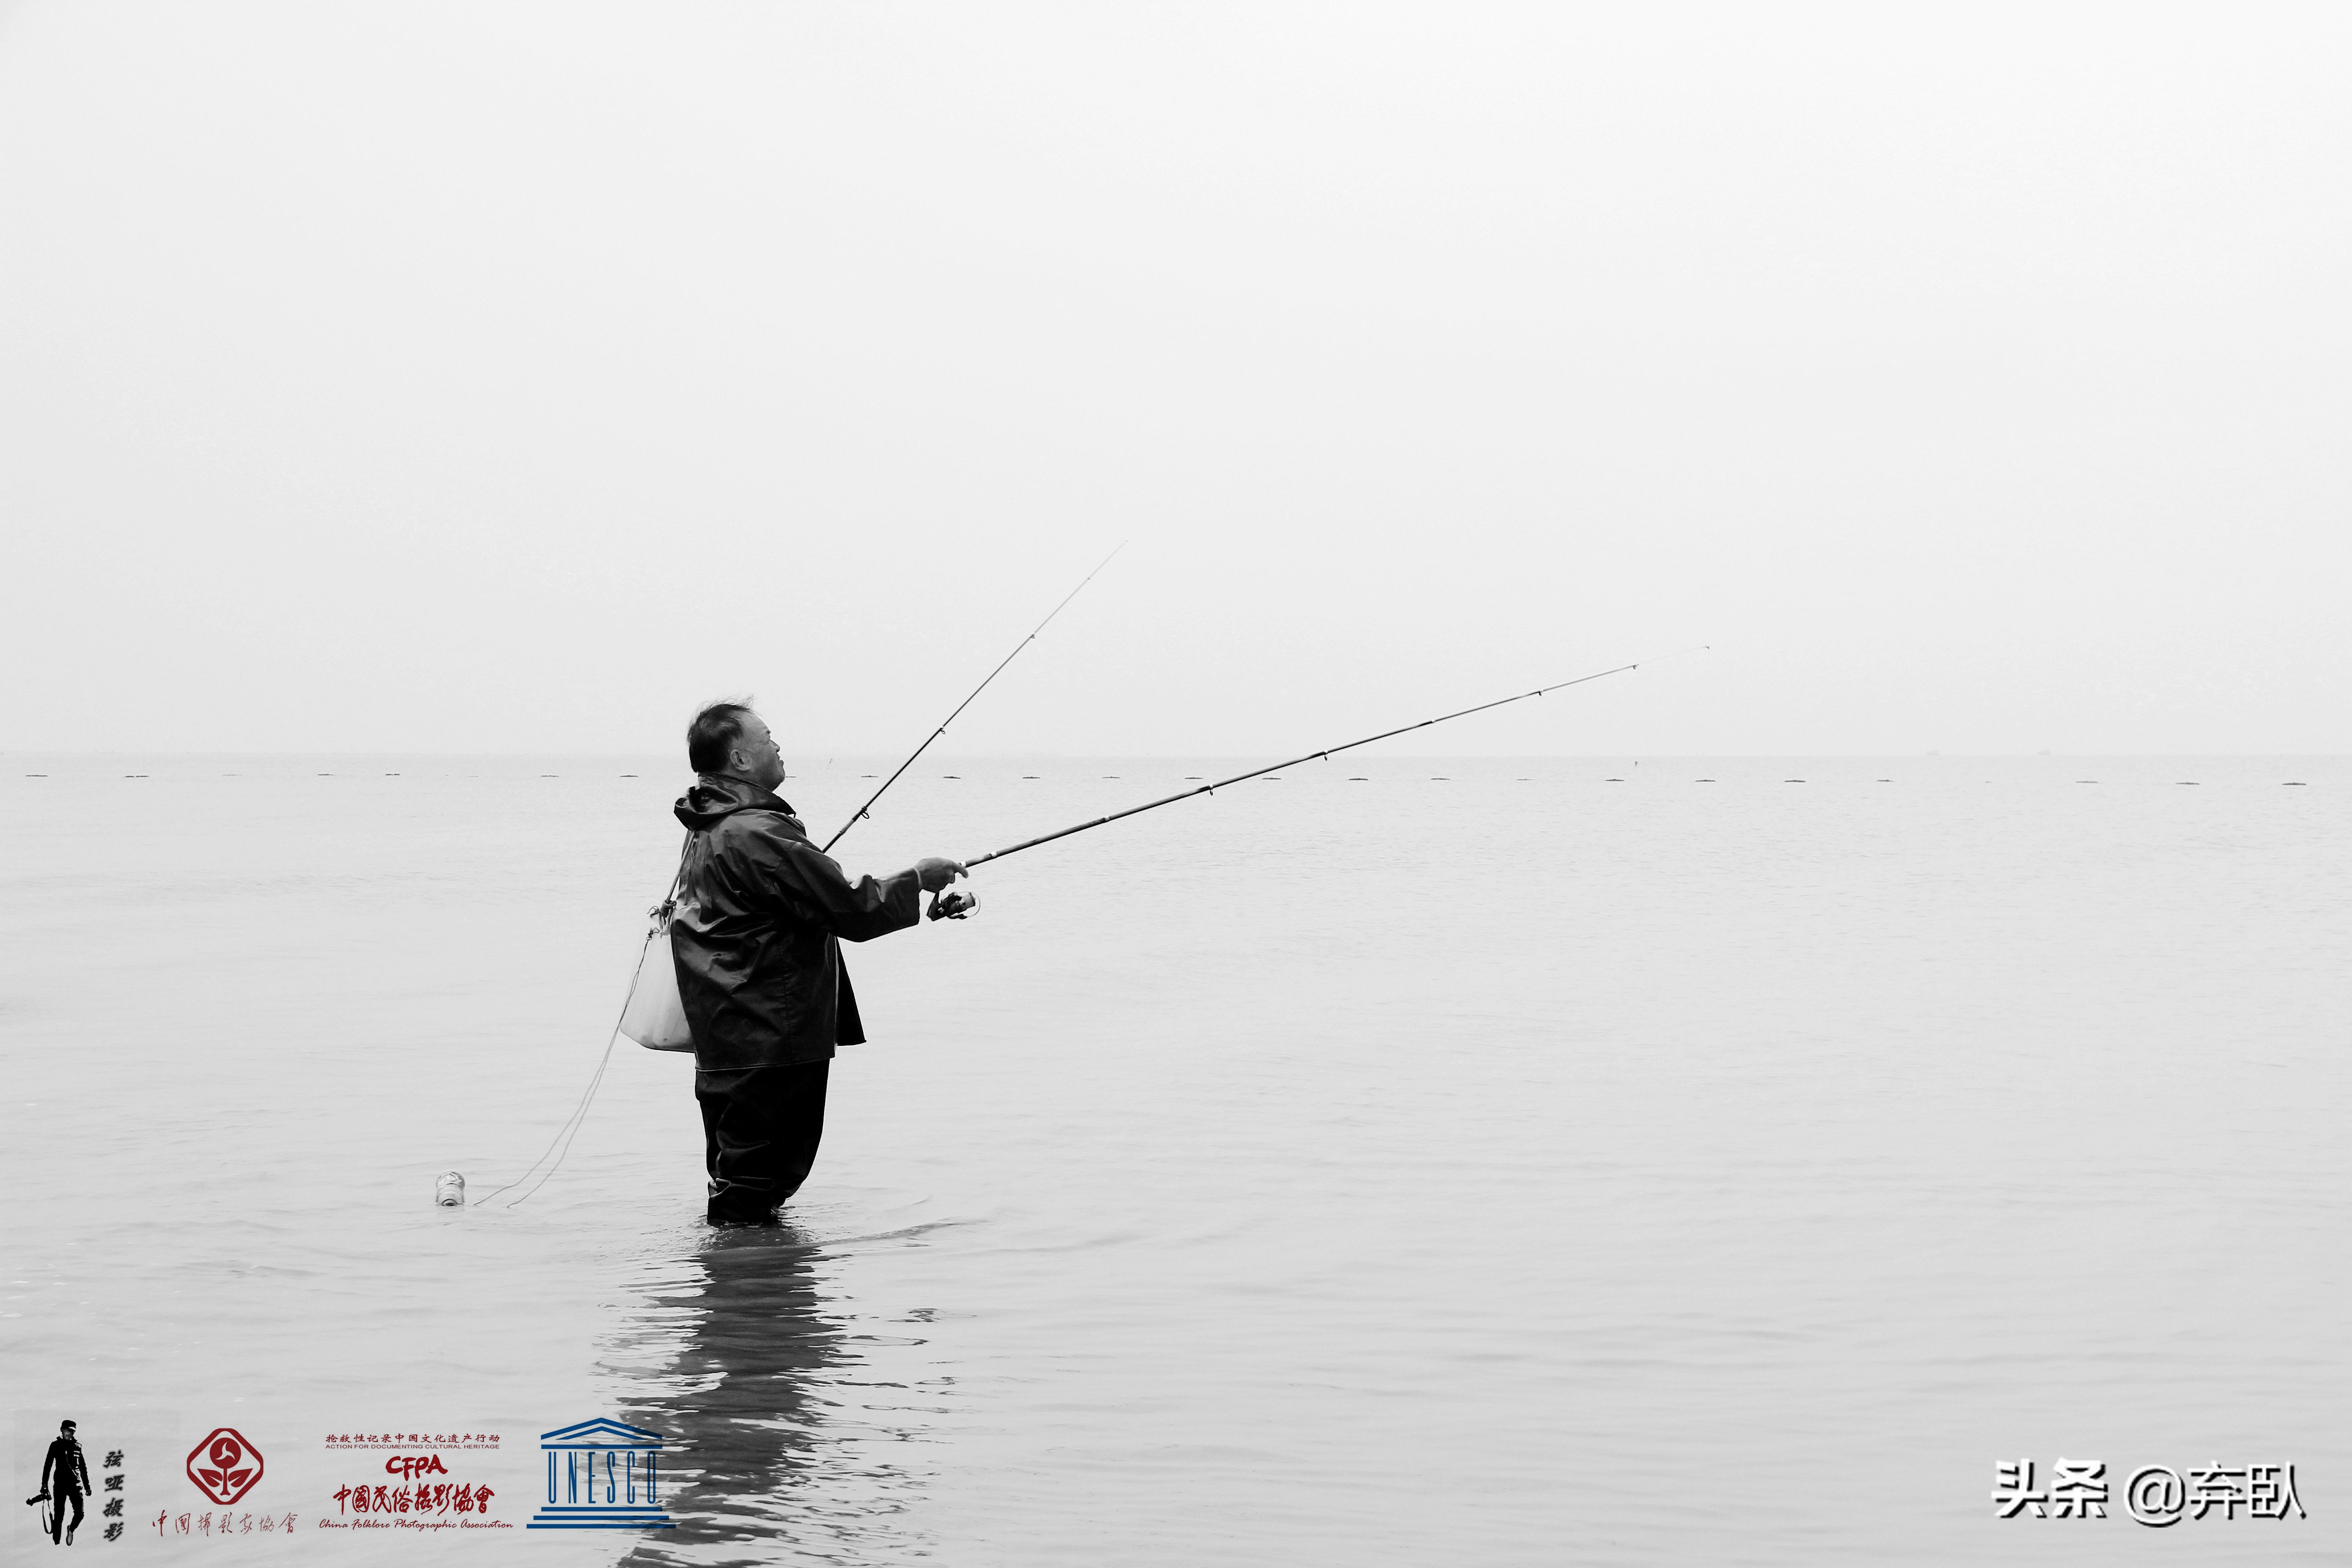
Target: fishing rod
(1327,753)
(859,813)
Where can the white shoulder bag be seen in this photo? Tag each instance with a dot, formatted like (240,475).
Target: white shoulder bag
(654,1017)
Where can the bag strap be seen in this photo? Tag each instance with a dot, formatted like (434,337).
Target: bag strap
(662,911)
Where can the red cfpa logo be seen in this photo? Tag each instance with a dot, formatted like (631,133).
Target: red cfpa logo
(225,1467)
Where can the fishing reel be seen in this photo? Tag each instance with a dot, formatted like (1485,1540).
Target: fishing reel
(949,905)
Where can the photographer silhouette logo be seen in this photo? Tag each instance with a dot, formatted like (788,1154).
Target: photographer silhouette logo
(601,1475)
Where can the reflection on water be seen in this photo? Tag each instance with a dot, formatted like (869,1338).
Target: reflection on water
(761,1395)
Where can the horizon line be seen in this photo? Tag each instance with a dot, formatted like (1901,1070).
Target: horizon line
(664,758)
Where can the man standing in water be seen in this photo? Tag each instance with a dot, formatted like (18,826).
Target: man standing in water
(65,1478)
(761,915)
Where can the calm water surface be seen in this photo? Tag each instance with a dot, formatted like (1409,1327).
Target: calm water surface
(1482,1161)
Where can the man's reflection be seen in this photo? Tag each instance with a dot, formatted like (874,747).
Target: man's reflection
(737,1402)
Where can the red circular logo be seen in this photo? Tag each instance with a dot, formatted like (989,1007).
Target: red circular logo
(225,1467)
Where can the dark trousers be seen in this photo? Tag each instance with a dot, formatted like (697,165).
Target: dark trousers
(58,1525)
(760,1132)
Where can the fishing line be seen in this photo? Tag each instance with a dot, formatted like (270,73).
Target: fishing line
(571,1127)
(1325,754)
(572,1123)
(859,813)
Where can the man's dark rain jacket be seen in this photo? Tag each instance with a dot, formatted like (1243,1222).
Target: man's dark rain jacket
(761,918)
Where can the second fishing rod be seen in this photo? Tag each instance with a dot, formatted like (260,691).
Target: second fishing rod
(1324,754)
(860,814)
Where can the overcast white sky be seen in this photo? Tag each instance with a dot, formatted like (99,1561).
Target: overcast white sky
(512,377)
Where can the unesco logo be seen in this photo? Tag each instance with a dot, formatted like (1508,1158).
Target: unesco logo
(601,1475)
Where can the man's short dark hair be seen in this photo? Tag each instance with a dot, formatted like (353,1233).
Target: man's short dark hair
(713,734)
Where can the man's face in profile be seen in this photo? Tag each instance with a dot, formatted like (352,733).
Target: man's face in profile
(755,756)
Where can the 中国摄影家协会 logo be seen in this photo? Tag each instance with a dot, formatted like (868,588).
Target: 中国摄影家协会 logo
(225,1467)
(601,1475)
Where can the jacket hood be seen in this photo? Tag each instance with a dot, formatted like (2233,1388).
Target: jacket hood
(714,799)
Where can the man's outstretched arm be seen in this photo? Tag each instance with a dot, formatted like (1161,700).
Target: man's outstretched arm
(807,880)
